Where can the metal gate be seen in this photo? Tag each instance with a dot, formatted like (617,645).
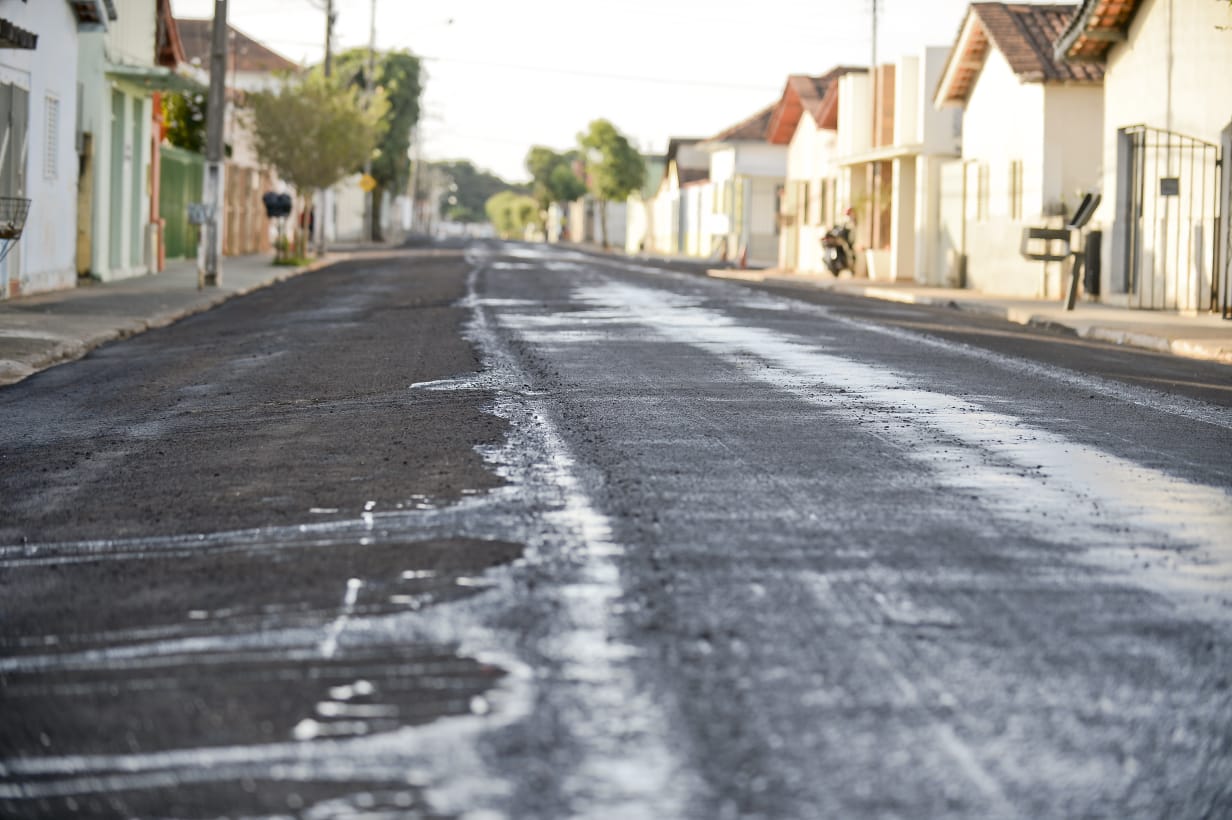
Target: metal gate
(1168,186)
(14,136)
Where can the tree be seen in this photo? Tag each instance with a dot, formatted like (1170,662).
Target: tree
(470,190)
(510,213)
(185,118)
(314,132)
(614,169)
(552,177)
(399,78)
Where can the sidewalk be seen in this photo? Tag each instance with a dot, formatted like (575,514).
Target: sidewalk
(44,329)
(1206,336)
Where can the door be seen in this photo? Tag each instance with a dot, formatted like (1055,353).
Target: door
(14,136)
(115,214)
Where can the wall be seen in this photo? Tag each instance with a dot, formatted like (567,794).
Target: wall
(1174,72)
(854,114)
(1073,147)
(43,259)
(1003,122)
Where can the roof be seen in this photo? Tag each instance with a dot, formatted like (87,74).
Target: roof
(816,96)
(1094,28)
(753,129)
(1024,33)
(168,48)
(243,52)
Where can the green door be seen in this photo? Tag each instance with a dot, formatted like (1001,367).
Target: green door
(115,214)
(183,174)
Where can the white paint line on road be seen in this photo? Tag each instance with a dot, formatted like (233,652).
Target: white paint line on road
(1122,513)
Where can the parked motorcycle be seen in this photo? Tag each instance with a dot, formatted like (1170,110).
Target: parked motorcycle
(837,251)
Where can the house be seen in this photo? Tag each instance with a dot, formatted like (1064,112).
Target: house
(891,144)
(640,207)
(251,66)
(1165,146)
(806,121)
(38,160)
(738,210)
(685,168)
(119,71)
(1031,144)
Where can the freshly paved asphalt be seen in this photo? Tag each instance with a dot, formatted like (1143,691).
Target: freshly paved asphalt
(541,534)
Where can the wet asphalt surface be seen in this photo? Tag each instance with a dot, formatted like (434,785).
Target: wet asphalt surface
(506,531)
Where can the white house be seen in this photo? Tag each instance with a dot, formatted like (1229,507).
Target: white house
(117,72)
(640,208)
(38,158)
(685,165)
(891,144)
(1031,144)
(806,120)
(746,172)
(1167,124)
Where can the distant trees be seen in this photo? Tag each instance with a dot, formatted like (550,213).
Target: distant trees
(313,131)
(552,178)
(510,213)
(470,190)
(399,80)
(614,168)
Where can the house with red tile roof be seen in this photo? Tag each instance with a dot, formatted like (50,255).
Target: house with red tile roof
(806,121)
(1032,144)
(1166,147)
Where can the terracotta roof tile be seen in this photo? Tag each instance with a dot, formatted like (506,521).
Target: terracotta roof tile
(243,52)
(752,129)
(1095,26)
(1025,32)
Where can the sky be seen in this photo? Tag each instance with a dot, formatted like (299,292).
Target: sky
(503,76)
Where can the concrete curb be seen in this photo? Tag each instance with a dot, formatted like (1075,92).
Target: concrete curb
(67,349)
(1214,351)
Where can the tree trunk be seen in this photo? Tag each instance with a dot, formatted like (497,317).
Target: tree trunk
(603,222)
(377,202)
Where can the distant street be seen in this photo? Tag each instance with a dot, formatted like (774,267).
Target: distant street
(500,530)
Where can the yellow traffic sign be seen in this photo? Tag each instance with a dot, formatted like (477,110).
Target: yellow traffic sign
(367,182)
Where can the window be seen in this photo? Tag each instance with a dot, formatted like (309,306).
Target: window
(51,145)
(1015,189)
(806,194)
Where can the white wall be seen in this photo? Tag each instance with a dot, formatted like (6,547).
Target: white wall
(939,129)
(44,257)
(760,159)
(1003,122)
(130,38)
(1073,143)
(855,111)
(1173,72)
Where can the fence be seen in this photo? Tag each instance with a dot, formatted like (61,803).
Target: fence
(1168,202)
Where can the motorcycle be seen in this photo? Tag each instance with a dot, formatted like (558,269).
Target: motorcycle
(836,250)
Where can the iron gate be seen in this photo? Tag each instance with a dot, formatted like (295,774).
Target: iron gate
(1169,205)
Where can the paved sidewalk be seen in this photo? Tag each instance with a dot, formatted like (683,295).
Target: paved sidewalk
(1205,336)
(44,329)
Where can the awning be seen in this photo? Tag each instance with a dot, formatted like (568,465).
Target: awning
(154,78)
(12,36)
(93,15)
(882,154)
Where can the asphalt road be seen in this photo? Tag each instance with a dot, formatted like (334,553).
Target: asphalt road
(500,530)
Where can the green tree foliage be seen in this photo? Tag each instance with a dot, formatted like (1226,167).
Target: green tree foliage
(552,177)
(184,115)
(399,79)
(510,213)
(314,132)
(470,190)
(614,168)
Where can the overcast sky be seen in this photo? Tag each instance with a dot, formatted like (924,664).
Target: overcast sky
(503,76)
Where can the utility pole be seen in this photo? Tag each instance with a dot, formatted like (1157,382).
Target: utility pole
(323,194)
(216,107)
(369,85)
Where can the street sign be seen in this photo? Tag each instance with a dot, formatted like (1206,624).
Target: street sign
(367,183)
